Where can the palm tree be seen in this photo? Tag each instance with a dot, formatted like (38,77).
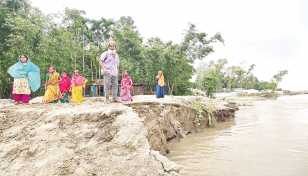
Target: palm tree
(107,27)
(97,29)
(101,29)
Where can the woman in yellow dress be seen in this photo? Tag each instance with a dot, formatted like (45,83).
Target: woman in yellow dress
(78,82)
(52,94)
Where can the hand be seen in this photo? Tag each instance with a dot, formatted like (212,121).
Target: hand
(105,71)
(45,88)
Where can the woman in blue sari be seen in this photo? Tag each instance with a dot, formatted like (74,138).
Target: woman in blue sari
(26,79)
(160,85)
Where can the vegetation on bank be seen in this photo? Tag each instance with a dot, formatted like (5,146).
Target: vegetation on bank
(245,104)
(234,76)
(199,111)
(71,41)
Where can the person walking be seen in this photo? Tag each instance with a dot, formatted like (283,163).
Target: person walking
(109,62)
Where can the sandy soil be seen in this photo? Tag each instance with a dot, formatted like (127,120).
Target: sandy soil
(94,138)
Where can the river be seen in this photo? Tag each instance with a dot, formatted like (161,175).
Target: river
(268,138)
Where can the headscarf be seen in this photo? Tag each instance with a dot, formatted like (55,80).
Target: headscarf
(53,71)
(65,84)
(126,80)
(161,80)
(53,76)
(20,70)
(78,80)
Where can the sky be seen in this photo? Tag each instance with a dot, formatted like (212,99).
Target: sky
(273,34)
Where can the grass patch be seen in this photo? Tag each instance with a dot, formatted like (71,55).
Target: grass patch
(199,108)
(245,104)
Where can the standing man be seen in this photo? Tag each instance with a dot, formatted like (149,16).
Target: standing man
(109,61)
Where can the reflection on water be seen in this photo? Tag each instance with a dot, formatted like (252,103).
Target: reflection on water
(269,138)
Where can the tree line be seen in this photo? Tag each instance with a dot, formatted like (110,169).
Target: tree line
(239,76)
(71,41)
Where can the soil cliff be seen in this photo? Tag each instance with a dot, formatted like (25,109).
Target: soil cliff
(93,138)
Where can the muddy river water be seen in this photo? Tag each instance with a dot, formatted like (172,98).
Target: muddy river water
(268,138)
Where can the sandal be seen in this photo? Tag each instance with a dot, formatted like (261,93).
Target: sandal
(116,101)
(108,102)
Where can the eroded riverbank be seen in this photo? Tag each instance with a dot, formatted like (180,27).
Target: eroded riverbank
(97,138)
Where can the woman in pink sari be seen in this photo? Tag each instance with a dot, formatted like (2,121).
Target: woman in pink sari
(65,86)
(126,85)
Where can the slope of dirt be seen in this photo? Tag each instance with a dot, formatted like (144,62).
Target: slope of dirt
(93,138)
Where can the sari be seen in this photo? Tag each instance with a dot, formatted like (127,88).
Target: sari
(52,93)
(78,82)
(160,86)
(65,86)
(126,85)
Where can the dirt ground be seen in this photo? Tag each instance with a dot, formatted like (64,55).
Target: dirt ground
(94,138)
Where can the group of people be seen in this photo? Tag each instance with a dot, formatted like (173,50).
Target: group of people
(57,87)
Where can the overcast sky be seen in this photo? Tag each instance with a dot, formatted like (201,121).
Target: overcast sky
(273,34)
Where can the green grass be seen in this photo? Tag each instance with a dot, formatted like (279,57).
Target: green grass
(245,104)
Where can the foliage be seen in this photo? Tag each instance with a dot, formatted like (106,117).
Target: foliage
(60,40)
(245,104)
(278,77)
(212,70)
(209,85)
(199,107)
(265,86)
(234,76)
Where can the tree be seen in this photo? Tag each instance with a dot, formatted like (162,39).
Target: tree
(231,76)
(60,42)
(125,22)
(248,77)
(107,27)
(209,85)
(213,70)
(278,77)
(195,45)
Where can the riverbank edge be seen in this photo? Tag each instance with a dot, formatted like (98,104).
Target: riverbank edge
(155,121)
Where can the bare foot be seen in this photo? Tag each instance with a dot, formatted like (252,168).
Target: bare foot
(131,100)
(16,103)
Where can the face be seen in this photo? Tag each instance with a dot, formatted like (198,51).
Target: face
(51,70)
(76,72)
(159,73)
(112,46)
(125,74)
(63,75)
(23,59)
